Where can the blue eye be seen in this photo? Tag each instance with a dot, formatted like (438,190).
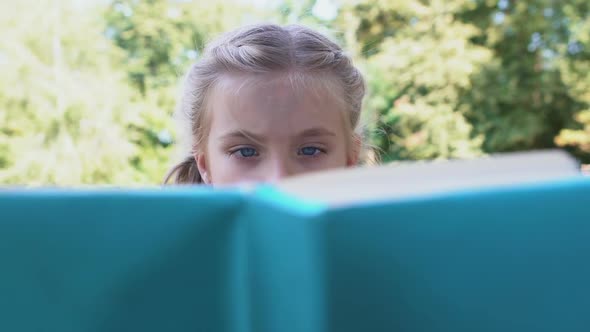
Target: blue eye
(247,152)
(309,151)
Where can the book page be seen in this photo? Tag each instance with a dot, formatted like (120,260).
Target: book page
(407,179)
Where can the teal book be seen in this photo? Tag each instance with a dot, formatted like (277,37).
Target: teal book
(495,244)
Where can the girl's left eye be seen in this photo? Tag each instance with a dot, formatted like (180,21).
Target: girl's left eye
(309,151)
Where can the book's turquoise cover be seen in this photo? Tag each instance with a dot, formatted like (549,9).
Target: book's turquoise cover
(512,258)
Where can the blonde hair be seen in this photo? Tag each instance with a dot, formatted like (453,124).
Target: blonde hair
(259,49)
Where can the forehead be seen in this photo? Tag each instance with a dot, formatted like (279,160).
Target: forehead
(276,105)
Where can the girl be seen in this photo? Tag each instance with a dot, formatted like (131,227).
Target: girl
(267,102)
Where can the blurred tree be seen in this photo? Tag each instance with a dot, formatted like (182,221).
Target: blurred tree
(161,38)
(64,108)
(417,58)
(575,70)
(297,12)
(520,101)
(453,78)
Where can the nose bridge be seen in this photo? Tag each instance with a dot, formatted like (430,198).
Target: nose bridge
(279,167)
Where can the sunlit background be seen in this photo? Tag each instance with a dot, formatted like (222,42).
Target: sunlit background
(87,88)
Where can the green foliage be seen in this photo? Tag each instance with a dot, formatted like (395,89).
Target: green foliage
(161,38)
(88,88)
(522,99)
(507,75)
(575,69)
(63,109)
(579,138)
(418,59)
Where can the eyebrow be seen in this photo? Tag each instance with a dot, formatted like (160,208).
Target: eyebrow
(246,135)
(242,134)
(316,132)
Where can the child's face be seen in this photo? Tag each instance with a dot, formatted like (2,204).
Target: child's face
(267,131)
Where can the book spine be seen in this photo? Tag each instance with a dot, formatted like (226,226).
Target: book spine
(284,268)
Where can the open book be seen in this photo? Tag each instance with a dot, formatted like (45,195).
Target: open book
(409,179)
(493,244)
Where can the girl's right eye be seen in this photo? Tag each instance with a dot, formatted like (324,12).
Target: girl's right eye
(245,152)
